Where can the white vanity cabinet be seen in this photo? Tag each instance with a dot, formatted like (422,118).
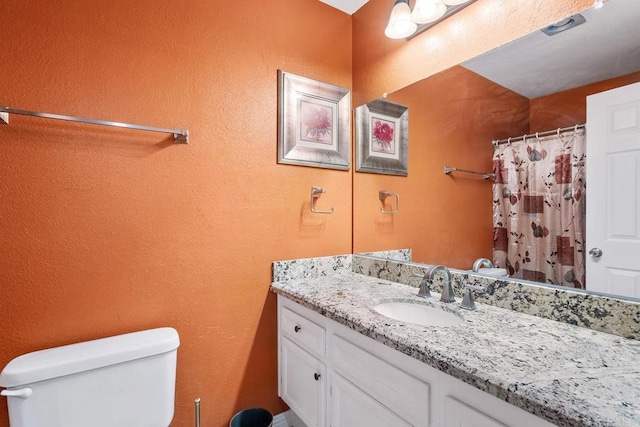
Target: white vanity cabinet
(352,407)
(332,376)
(403,394)
(303,383)
(458,414)
(302,372)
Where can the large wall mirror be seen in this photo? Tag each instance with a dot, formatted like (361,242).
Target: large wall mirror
(534,84)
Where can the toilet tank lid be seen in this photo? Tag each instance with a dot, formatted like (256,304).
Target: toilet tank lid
(74,358)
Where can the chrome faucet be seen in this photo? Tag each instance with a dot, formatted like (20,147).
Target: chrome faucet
(481,262)
(467,300)
(425,286)
(447,289)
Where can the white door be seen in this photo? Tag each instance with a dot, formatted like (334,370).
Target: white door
(613,191)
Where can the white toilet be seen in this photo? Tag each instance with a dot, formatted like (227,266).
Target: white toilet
(122,381)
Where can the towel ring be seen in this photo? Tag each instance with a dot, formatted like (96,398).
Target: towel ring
(316,192)
(382,195)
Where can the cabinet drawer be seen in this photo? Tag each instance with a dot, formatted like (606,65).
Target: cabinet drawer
(458,414)
(351,407)
(303,384)
(303,332)
(395,389)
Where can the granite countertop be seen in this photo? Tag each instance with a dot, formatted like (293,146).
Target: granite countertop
(568,375)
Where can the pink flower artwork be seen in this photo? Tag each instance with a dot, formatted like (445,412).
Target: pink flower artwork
(382,135)
(316,121)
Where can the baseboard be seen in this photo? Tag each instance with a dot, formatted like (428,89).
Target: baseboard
(282,420)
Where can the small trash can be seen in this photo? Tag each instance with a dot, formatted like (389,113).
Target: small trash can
(254,417)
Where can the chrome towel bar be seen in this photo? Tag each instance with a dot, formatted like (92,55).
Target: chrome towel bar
(180,136)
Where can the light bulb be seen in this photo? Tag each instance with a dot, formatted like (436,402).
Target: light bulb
(454,2)
(400,24)
(428,11)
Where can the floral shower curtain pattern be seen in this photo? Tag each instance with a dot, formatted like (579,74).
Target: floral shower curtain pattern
(539,208)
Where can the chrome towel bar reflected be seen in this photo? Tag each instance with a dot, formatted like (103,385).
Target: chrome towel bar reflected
(485,175)
(180,136)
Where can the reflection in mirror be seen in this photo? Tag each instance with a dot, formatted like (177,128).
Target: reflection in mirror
(529,219)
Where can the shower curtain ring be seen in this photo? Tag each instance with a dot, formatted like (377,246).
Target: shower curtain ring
(558,132)
(509,141)
(537,137)
(524,138)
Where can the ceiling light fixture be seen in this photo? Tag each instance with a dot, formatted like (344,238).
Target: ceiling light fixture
(403,23)
(400,24)
(428,11)
(597,4)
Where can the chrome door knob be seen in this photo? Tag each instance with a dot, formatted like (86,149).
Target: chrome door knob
(595,252)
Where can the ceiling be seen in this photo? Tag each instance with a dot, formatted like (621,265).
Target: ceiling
(347,6)
(606,46)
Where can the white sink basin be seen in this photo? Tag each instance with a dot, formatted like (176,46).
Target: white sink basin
(419,314)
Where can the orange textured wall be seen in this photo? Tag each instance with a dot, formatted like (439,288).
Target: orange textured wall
(453,117)
(106,231)
(569,107)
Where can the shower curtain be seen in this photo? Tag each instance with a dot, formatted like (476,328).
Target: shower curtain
(539,208)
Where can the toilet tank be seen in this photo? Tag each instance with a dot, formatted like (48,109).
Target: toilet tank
(121,381)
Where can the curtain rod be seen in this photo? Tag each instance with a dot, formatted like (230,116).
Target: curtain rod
(537,134)
(180,136)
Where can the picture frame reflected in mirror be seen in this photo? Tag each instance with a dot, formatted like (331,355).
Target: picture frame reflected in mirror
(382,133)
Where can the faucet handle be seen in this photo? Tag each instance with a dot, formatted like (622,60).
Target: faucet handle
(425,285)
(467,299)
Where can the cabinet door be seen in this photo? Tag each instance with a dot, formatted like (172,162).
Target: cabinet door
(303,384)
(302,331)
(457,414)
(351,407)
(395,389)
